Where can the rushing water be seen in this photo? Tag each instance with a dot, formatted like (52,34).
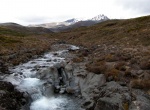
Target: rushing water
(24,78)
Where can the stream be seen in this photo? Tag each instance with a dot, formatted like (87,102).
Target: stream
(24,78)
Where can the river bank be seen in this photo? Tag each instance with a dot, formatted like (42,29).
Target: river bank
(82,72)
(25,79)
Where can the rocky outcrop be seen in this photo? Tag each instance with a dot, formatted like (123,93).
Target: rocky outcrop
(113,96)
(141,100)
(12,99)
(55,77)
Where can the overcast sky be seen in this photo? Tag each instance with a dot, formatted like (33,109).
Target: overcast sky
(44,11)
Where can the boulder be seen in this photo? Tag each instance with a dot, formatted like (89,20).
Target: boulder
(70,90)
(10,98)
(91,81)
(109,103)
(141,100)
(112,96)
(141,103)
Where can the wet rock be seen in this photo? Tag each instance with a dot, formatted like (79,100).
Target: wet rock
(88,104)
(55,60)
(69,69)
(48,90)
(10,98)
(62,90)
(70,90)
(55,54)
(47,73)
(33,62)
(37,66)
(48,60)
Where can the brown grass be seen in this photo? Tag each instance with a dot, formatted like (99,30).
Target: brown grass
(120,66)
(78,59)
(114,73)
(16,47)
(145,65)
(110,58)
(140,84)
(115,32)
(96,67)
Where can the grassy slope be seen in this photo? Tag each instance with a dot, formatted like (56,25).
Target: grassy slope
(127,32)
(18,43)
(117,48)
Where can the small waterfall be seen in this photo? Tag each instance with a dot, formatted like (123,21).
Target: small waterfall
(33,77)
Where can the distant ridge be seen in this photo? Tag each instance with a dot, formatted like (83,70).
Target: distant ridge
(72,23)
(24,29)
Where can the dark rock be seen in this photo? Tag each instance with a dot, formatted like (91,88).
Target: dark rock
(107,104)
(10,98)
(141,102)
(112,96)
(89,104)
(70,90)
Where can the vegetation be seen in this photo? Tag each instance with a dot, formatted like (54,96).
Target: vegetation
(120,49)
(140,84)
(17,44)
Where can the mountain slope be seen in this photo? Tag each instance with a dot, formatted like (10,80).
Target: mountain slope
(18,43)
(100,17)
(22,29)
(132,32)
(72,23)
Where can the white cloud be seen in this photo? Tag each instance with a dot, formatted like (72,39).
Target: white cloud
(40,11)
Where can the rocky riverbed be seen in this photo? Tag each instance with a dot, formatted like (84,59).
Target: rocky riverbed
(61,80)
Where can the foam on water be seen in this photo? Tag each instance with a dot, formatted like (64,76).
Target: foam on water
(30,82)
(48,104)
(74,47)
(24,77)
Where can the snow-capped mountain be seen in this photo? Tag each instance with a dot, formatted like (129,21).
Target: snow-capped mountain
(74,22)
(100,17)
(96,18)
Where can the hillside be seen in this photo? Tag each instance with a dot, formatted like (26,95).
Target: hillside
(23,29)
(114,55)
(128,32)
(116,48)
(18,43)
(119,50)
(72,23)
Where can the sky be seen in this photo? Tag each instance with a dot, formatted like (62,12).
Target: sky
(27,12)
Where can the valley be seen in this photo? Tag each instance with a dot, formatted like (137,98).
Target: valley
(108,66)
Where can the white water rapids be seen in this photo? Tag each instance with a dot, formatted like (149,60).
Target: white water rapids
(24,78)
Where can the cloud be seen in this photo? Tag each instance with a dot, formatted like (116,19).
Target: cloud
(136,6)
(41,19)
(44,11)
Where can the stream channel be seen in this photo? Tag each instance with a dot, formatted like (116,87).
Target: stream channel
(24,78)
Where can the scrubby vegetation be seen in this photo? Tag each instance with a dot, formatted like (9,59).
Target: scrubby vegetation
(120,49)
(17,44)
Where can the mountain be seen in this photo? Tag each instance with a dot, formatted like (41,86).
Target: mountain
(100,17)
(8,28)
(72,23)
